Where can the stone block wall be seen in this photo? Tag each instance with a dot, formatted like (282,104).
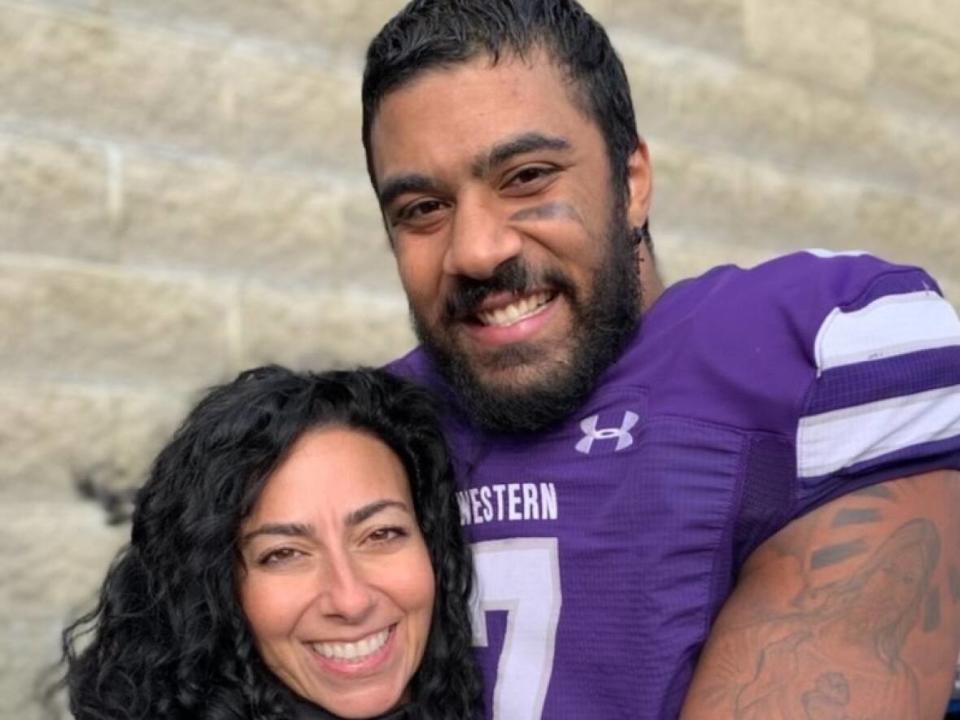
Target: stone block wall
(182,194)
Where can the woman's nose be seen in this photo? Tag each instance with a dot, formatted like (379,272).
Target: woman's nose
(345,591)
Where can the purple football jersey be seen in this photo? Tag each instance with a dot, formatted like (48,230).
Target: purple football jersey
(605,546)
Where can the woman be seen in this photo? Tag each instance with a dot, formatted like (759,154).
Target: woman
(295,553)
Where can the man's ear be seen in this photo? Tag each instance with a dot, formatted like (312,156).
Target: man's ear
(639,185)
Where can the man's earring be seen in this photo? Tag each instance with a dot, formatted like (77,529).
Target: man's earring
(641,234)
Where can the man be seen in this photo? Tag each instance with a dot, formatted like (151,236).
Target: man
(736,498)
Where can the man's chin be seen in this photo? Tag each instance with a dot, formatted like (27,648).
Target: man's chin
(517,397)
(516,370)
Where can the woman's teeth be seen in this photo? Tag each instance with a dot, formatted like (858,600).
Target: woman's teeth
(517,310)
(355,650)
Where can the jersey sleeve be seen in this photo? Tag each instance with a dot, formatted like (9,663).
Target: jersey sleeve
(884,398)
(842,369)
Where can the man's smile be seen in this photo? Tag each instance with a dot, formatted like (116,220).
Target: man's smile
(520,308)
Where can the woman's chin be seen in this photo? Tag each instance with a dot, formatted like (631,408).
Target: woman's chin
(369,703)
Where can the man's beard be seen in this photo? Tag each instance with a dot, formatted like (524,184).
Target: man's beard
(601,326)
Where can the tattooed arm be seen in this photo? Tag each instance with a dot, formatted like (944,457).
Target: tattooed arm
(851,612)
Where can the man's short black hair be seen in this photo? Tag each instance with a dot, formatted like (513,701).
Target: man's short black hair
(429,34)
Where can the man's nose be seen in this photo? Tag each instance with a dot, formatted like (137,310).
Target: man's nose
(345,591)
(479,242)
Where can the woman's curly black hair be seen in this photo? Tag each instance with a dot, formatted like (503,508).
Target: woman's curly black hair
(168,639)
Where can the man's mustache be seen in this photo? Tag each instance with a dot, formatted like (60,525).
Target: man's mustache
(512,276)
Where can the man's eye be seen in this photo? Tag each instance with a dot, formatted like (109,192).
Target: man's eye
(530,176)
(420,210)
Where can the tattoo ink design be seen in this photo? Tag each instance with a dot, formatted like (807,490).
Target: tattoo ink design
(833,554)
(856,516)
(955,583)
(840,660)
(828,699)
(876,491)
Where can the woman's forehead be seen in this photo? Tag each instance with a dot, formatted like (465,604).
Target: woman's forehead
(329,473)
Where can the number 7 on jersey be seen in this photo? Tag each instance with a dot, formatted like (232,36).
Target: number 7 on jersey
(522,577)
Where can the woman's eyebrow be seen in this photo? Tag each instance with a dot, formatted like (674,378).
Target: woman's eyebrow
(367,511)
(284,529)
(354,517)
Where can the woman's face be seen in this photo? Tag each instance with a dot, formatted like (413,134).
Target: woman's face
(336,581)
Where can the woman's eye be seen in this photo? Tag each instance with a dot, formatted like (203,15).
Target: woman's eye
(278,556)
(382,535)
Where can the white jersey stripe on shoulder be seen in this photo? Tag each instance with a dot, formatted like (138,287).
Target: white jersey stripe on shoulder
(837,439)
(889,326)
(827,254)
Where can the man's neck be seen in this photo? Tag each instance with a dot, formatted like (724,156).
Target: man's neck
(651,285)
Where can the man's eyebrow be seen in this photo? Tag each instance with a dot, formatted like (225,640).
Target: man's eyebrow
(518,145)
(284,529)
(368,511)
(392,188)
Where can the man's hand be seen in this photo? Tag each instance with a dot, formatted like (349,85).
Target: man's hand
(851,612)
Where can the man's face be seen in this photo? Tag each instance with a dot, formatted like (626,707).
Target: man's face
(514,251)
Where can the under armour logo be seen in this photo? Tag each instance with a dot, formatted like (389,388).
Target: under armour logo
(621,434)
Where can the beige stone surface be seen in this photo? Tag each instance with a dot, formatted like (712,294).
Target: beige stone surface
(53,198)
(365,257)
(716,25)
(912,229)
(227,218)
(58,556)
(879,147)
(806,38)
(323,26)
(727,199)
(741,203)
(61,322)
(939,18)
(50,435)
(183,194)
(142,424)
(681,255)
(920,71)
(716,104)
(55,63)
(293,111)
(185,90)
(28,649)
(321,330)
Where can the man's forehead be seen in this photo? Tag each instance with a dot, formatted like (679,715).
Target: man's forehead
(514,94)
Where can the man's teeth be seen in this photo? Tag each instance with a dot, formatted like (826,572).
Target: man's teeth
(515,311)
(355,650)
